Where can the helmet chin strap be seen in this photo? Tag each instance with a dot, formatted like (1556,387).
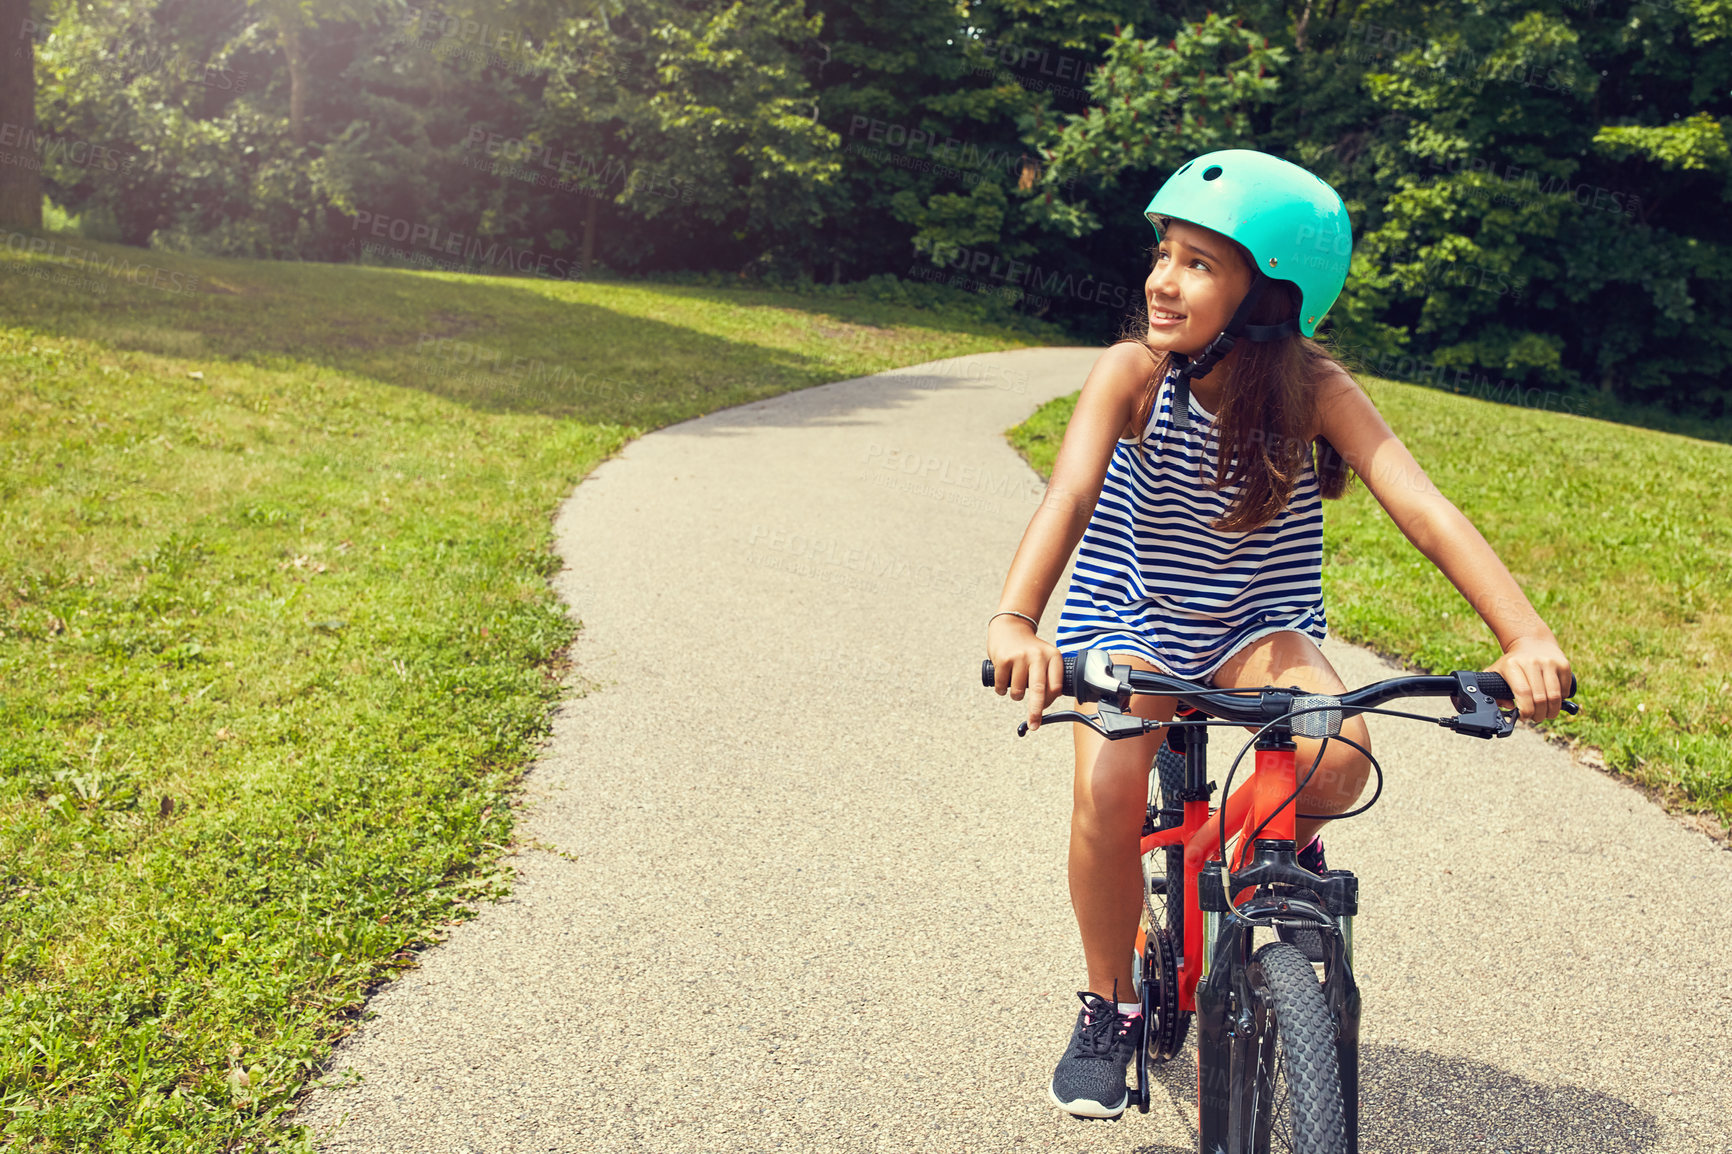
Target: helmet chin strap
(1223,343)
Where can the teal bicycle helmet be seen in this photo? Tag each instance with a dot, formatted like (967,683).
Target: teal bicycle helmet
(1291,222)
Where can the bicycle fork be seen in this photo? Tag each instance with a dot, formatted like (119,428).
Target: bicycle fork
(1228,1032)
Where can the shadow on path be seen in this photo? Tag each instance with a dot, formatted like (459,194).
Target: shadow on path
(1414,1100)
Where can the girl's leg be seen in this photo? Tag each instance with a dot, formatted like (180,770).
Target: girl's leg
(1109,803)
(1291,658)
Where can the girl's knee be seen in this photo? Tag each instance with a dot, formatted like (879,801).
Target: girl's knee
(1341,763)
(1103,829)
(1112,794)
(1343,769)
(1111,804)
(1337,782)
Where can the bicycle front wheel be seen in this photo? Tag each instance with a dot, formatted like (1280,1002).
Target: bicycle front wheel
(1297,1106)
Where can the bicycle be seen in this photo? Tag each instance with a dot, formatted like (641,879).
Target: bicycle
(1277,1048)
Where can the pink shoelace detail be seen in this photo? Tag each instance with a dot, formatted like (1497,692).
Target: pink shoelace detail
(1089,1020)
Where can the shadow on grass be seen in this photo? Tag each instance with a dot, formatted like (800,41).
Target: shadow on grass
(1418,1101)
(490,343)
(513,345)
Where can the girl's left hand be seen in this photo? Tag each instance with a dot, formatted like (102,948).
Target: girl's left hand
(1538,674)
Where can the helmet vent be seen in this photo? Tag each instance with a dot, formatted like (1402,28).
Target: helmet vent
(1211,172)
(1187,167)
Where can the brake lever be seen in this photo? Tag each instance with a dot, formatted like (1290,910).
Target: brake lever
(1110,723)
(1566,705)
(1478,720)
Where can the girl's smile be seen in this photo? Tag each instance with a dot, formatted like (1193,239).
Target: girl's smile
(1195,285)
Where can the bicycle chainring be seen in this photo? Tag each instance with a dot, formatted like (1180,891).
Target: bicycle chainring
(1168,1026)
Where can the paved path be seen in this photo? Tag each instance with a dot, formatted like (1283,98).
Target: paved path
(815,897)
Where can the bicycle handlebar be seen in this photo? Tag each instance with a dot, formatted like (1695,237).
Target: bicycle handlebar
(1495,685)
(1090,676)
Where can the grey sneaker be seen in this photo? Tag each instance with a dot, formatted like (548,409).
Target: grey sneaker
(1090,1079)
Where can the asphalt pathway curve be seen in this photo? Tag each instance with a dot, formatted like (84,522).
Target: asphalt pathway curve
(799,886)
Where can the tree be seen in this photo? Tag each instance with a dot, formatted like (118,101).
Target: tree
(1548,198)
(1153,106)
(291,22)
(20,186)
(1539,188)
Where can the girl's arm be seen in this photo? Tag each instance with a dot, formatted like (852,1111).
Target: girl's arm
(1532,662)
(1021,660)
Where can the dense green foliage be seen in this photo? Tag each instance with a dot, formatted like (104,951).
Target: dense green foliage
(1540,189)
(276,637)
(1617,535)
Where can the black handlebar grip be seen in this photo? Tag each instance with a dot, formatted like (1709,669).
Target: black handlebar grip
(988,679)
(1495,685)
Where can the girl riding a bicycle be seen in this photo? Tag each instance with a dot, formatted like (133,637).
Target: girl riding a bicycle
(1192,471)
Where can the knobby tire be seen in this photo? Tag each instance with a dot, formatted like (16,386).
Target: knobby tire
(1297,1103)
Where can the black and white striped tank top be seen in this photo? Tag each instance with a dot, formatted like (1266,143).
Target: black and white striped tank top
(1153,578)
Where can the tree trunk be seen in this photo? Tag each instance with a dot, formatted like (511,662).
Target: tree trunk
(1299,30)
(589,237)
(290,33)
(20,183)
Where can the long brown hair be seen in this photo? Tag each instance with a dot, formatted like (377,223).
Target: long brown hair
(1264,416)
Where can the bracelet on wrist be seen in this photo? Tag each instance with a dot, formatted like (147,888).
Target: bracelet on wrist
(1014,613)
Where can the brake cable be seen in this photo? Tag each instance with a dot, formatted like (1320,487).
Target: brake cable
(1375,794)
(1232,770)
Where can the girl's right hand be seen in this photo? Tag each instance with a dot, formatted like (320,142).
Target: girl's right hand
(1021,663)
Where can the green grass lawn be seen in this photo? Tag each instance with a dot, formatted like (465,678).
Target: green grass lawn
(276,638)
(1619,536)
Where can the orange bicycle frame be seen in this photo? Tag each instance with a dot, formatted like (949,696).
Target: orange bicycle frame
(1256,803)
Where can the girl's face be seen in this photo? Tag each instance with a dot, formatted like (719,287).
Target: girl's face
(1197,282)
